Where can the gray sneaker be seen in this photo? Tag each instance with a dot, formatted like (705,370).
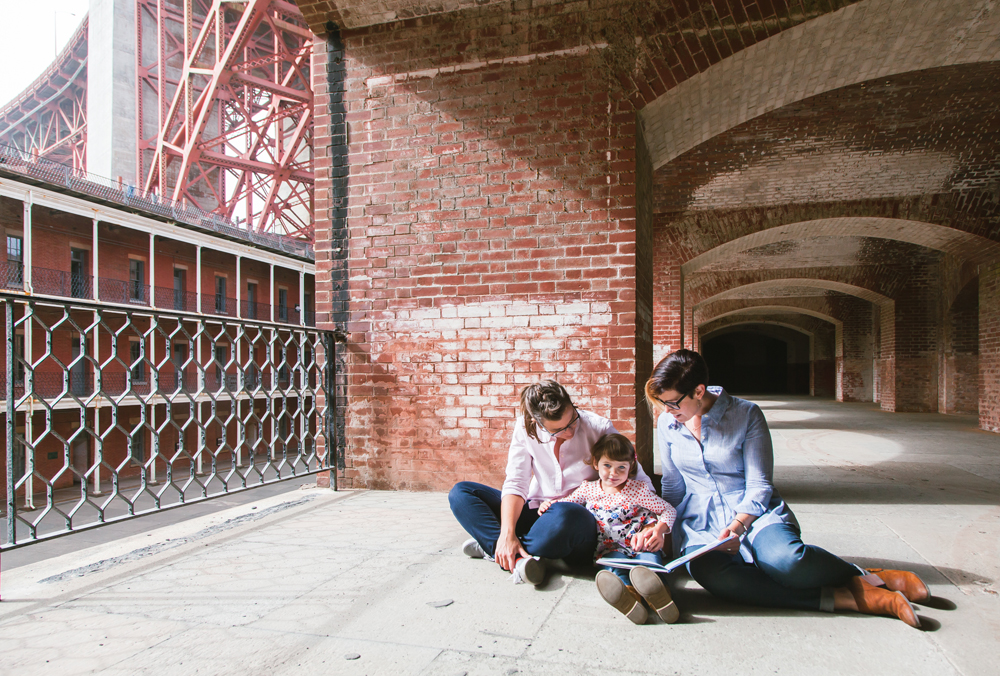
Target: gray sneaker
(474,550)
(529,569)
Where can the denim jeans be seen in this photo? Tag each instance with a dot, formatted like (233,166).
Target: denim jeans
(565,531)
(786,572)
(654,557)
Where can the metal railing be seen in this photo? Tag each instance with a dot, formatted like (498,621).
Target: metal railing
(200,407)
(24,163)
(171,299)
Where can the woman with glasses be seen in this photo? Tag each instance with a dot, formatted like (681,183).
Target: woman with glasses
(549,457)
(715,451)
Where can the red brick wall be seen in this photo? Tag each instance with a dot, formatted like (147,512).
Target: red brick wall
(989,347)
(492,241)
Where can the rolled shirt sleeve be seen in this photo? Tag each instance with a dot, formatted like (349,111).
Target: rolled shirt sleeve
(672,486)
(519,465)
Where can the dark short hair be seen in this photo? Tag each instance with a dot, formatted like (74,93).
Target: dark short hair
(615,447)
(681,371)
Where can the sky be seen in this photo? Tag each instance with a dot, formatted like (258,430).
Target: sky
(33,31)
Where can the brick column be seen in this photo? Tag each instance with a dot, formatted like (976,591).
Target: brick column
(854,363)
(490,241)
(989,347)
(959,381)
(917,332)
(666,297)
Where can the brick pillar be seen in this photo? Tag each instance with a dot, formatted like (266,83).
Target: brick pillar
(854,363)
(989,347)
(644,299)
(822,373)
(917,332)
(666,297)
(491,229)
(959,382)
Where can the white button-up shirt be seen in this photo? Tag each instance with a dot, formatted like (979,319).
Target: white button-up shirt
(533,471)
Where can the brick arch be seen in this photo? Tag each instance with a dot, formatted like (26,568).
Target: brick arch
(808,282)
(774,309)
(874,38)
(962,245)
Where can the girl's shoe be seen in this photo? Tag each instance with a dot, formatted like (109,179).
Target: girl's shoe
(649,585)
(911,586)
(877,601)
(625,600)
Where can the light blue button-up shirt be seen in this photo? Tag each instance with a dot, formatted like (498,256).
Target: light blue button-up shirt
(729,473)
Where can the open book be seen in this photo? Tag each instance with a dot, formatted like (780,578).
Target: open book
(668,567)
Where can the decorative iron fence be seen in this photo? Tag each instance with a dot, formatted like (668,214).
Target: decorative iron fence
(110,413)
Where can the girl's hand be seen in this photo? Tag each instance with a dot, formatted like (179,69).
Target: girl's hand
(544,506)
(649,539)
(508,550)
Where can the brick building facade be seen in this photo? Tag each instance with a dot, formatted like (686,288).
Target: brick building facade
(129,356)
(524,189)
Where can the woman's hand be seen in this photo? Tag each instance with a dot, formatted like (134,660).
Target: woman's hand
(649,539)
(734,546)
(508,550)
(544,506)
(738,527)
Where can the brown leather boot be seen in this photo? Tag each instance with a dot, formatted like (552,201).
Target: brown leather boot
(911,586)
(625,599)
(877,601)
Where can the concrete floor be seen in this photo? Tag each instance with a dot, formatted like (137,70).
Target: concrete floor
(311,581)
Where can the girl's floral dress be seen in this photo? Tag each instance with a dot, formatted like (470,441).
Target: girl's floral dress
(621,515)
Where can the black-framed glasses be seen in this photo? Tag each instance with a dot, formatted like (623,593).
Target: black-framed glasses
(673,405)
(576,417)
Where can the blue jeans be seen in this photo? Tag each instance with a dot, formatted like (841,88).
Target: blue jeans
(654,557)
(565,531)
(786,572)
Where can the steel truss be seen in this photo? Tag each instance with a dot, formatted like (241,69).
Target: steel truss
(110,413)
(225,109)
(49,118)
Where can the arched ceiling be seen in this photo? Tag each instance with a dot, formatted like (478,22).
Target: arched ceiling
(797,288)
(866,41)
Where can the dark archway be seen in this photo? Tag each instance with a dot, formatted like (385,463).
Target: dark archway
(754,360)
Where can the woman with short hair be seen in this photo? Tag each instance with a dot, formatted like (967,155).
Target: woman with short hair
(549,457)
(717,463)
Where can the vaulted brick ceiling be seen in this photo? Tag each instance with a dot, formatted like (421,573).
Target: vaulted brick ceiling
(878,175)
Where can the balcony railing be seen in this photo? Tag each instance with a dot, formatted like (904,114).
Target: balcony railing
(172,413)
(27,164)
(215,304)
(12,275)
(260,311)
(120,291)
(61,283)
(172,299)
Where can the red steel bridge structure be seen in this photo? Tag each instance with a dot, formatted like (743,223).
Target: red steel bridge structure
(224,116)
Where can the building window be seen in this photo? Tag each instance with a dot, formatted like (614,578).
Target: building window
(15,261)
(138,367)
(221,357)
(137,445)
(180,287)
(79,280)
(251,300)
(137,281)
(220,295)
(283,305)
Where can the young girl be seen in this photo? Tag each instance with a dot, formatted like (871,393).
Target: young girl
(632,522)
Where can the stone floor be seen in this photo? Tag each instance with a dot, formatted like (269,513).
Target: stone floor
(311,581)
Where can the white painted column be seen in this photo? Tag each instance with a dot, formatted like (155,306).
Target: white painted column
(152,270)
(95,261)
(26,254)
(272,290)
(239,264)
(302,298)
(197,278)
